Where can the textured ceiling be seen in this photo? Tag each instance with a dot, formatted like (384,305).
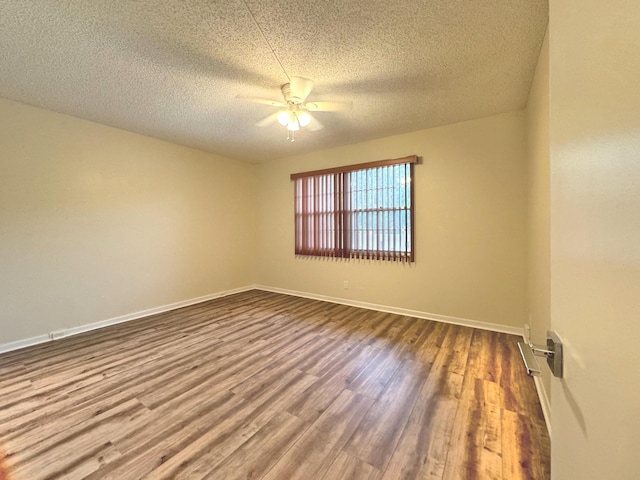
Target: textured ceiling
(171,69)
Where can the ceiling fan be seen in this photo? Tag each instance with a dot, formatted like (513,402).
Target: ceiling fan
(294,111)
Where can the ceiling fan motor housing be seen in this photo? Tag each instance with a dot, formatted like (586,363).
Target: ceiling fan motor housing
(286,93)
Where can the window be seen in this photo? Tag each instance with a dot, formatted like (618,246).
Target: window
(358,211)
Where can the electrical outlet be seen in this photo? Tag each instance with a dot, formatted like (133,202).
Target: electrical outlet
(57,334)
(345,284)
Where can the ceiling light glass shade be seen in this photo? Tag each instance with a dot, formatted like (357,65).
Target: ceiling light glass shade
(304,119)
(294,124)
(283,118)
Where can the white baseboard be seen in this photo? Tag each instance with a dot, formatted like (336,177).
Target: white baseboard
(24,343)
(494,327)
(544,402)
(543,396)
(28,342)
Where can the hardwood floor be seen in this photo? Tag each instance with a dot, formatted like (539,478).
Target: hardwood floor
(266,386)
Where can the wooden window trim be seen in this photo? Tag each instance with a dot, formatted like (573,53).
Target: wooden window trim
(325,230)
(360,166)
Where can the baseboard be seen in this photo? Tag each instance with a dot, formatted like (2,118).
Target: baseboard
(28,342)
(543,397)
(544,402)
(494,327)
(24,343)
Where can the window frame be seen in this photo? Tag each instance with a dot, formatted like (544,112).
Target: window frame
(341,246)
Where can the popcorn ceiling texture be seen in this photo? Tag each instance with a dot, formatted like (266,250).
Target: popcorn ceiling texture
(172,69)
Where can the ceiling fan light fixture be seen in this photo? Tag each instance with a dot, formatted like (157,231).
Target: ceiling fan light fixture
(294,123)
(295,112)
(284,118)
(304,119)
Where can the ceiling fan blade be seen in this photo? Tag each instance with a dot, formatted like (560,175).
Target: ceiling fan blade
(329,106)
(264,101)
(314,124)
(300,88)
(269,120)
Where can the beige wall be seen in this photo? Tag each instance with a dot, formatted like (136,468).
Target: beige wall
(595,236)
(96,222)
(470,225)
(538,251)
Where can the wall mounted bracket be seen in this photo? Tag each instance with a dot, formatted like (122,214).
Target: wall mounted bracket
(552,351)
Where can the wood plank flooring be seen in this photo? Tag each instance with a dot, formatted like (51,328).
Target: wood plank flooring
(267,386)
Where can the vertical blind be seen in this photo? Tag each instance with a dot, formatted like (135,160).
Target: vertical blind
(357,211)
